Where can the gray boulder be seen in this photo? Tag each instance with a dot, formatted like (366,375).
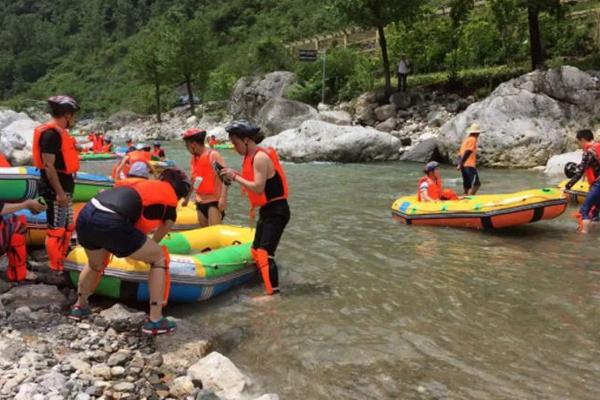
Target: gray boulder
(556,164)
(35,297)
(251,93)
(364,108)
(401,100)
(16,134)
(321,141)
(279,114)
(121,118)
(436,118)
(338,117)
(387,125)
(422,152)
(219,374)
(385,112)
(528,119)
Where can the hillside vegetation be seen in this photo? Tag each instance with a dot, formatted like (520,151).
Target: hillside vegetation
(121,54)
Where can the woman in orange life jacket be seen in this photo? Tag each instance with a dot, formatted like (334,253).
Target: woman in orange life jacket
(211,193)
(590,167)
(430,185)
(55,154)
(117,222)
(12,237)
(264,180)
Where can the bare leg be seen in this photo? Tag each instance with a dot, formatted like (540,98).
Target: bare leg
(89,275)
(473,190)
(585,226)
(152,254)
(214,216)
(202,220)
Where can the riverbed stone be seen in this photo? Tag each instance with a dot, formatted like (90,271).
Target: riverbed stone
(387,125)
(385,112)
(27,391)
(401,100)
(78,364)
(337,117)
(268,396)
(181,386)
(122,318)
(218,373)
(35,297)
(101,370)
(118,358)
(124,387)
(52,381)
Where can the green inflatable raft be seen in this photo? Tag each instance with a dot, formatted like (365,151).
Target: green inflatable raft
(97,156)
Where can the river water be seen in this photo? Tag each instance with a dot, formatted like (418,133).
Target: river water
(372,309)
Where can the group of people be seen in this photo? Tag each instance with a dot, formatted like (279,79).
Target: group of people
(100,143)
(118,221)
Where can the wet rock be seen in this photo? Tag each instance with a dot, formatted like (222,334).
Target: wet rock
(181,387)
(182,350)
(35,297)
(320,141)
(218,373)
(122,318)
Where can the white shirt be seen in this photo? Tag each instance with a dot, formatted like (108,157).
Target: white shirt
(403,67)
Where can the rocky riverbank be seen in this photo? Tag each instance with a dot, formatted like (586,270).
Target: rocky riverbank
(45,356)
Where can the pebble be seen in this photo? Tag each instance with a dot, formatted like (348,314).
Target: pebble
(124,387)
(155,360)
(101,370)
(117,371)
(82,396)
(181,386)
(118,358)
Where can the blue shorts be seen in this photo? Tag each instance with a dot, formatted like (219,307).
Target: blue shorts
(591,205)
(97,229)
(470,178)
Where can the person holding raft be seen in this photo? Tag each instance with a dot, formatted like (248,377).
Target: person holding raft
(590,167)
(56,155)
(264,181)
(430,186)
(117,222)
(467,161)
(210,192)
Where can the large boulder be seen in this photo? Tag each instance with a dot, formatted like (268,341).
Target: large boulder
(556,164)
(528,119)
(364,108)
(35,297)
(251,93)
(423,152)
(278,115)
(321,141)
(16,136)
(337,117)
(121,118)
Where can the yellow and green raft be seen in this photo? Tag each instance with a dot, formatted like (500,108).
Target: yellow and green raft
(483,211)
(204,263)
(578,192)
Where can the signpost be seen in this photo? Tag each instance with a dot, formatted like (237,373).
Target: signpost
(311,56)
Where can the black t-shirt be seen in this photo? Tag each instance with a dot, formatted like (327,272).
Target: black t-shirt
(51,143)
(126,202)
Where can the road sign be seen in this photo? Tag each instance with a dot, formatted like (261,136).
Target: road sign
(307,55)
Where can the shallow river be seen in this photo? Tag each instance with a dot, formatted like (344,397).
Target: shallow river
(372,309)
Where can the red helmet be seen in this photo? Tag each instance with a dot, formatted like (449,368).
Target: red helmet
(192,132)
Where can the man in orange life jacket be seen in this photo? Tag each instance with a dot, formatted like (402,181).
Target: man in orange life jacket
(98,142)
(212,142)
(211,193)
(158,152)
(56,155)
(430,186)
(264,181)
(117,221)
(12,237)
(590,167)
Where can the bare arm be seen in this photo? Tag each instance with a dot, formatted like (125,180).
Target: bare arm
(48,161)
(162,230)
(261,170)
(31,204)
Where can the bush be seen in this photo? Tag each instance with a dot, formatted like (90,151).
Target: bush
(220,83)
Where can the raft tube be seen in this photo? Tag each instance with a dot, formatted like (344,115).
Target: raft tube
(578,192)
(97,156)
(20,183)
(226,262)
(483,211)
(223,146)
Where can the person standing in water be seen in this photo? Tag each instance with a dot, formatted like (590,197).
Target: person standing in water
(467,161)
(590,167)
(210,192)
(55,154)
(117,221)
(264,181)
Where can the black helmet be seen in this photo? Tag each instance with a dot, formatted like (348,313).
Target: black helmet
(570,169)
(242,128)
(178,179)
(59,105)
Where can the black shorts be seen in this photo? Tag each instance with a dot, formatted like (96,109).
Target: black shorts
(204,207)
(272,220)
(470,178)
(97,229)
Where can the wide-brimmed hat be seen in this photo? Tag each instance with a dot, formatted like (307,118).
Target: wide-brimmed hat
(474,128)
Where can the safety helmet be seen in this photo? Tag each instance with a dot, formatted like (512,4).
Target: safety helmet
(108,139)
(570,169)
(60,105)
(142,146)
(193,132)
(156,144)
(430,166)
(178,179)
(242,129)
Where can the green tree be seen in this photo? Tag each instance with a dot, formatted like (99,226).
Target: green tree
(534,7)
(149,60)
(377,14)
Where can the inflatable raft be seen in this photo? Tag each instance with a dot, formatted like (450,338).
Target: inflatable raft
(223,146)
(97,156)
(578,192)
(223,261)
(483,211)
(20,183)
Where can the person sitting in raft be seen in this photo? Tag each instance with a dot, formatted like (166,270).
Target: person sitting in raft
(129,144)
(265,183)
(590,167)
(141,153)
(138,172)
(212,142)
(117,221)
(211,193)
(108,146)
(158,152)
(430,186)
(12,237)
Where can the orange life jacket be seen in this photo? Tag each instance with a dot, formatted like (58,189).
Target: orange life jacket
(68,149)
(3,161)
(201,166)
(213,142)
(98,144)
(260,199)
(135,156)
(434,189)
(129,181)
(156,153)
(107,148)
(152,193)
(589,171)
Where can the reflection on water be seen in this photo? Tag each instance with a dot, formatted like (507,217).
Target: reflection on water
(372,309)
